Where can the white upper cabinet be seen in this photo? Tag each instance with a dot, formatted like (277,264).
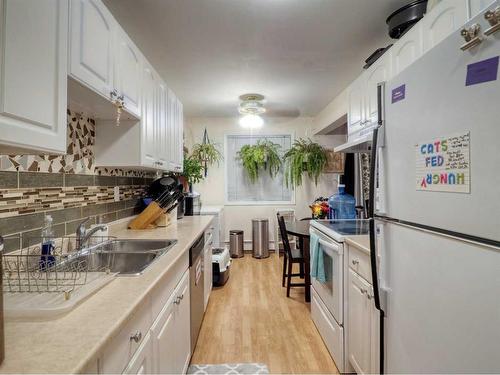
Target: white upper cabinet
(149,118)
(444,18)
(128,70)
(407,49)
(92,30)
(105,60)
(162,126)
(355,116)
(379,72)
(33,72)
(478,6)
(175,133)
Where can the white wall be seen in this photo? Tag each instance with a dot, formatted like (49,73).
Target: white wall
(213,187)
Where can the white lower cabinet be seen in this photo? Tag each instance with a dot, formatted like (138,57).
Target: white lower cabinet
(142,361)
(207,270)
(362,325)
(158,344)
(171,332)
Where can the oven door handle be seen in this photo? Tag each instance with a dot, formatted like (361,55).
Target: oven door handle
(328,245)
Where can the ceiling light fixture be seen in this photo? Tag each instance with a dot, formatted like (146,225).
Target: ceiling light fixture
(251,121)
(250,108)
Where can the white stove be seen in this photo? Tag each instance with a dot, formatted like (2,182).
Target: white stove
(327,296)
(339,229)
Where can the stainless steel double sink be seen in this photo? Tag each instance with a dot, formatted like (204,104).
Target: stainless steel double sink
(125,257)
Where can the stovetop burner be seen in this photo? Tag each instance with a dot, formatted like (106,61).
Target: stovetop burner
(347,227)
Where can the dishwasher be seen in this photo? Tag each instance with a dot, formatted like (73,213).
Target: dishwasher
(196,287)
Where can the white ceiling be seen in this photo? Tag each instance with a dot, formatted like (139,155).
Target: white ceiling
(298,53)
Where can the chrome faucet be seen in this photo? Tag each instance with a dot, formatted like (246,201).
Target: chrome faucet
(83,235)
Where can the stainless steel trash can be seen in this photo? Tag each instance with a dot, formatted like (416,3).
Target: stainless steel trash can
(260,238)
(236,243)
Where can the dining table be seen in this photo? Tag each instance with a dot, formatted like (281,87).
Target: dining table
(300,229)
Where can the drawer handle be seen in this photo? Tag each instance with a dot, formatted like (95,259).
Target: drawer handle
(136,337)
(363,291)
(355,262)
(182,296)
(177,300)
(369,296)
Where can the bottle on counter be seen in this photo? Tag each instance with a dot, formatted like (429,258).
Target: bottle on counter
(342,205)
(47,258)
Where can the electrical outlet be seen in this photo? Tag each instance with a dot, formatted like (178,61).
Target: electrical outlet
(116,192)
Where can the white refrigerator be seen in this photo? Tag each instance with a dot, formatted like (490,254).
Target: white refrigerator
(437,225)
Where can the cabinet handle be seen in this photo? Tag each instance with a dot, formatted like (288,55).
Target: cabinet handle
(363,291)
(182,296)
(177,300)
(355,262)
(136,337)
(369,296)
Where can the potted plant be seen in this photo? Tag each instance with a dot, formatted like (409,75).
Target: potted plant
(193,172)
(305,156)
(264,155)
(206,153)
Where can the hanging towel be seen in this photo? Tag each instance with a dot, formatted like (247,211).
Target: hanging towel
(317,260)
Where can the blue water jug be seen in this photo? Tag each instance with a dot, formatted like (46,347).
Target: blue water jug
(342,205)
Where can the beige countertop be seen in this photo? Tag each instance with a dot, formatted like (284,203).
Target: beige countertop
(67,344)
(361,242)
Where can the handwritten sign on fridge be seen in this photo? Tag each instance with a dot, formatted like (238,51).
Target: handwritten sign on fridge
(443,164)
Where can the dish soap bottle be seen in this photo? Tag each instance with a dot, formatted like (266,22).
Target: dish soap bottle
(342,205)
(47,258)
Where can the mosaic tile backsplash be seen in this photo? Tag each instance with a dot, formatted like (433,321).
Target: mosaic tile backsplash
(68,187)
(79,157)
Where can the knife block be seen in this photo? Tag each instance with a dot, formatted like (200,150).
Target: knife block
(147,218)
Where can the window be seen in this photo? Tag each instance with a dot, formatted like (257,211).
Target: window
(267,189)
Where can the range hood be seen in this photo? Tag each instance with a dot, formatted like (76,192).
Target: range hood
(359,144)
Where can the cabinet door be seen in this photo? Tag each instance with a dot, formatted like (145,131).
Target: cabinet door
(148,122)
(378,72)
(407,49)
(92,30)
(33,72)
(180,136)
(128,72)
(207,268)
(374,335)
(183,326)
(164,338)
(445,18)
(162,127)
(172,119)
(355,106)
(478,6)
(359,322)
(142,361)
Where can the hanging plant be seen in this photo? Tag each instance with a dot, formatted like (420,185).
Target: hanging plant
(264,155)
(305,156)
(206,153)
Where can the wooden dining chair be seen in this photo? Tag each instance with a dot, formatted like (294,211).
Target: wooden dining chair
(291,257)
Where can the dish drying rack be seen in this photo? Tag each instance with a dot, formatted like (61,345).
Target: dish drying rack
(65,269)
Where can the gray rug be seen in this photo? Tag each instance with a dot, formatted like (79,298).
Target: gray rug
(229,368)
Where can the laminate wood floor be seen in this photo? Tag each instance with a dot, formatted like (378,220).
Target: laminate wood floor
(250,319)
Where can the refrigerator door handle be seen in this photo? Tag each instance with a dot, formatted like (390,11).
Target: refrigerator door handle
(371,213)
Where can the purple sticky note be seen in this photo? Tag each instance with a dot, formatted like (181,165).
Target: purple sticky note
(398,93)
(482,71)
